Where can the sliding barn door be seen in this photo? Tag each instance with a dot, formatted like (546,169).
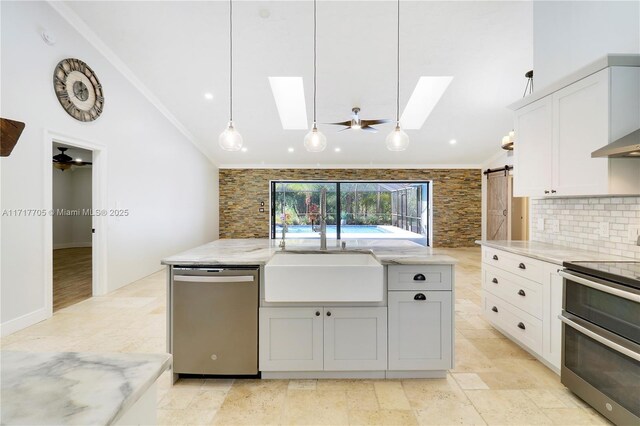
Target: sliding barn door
(497,206)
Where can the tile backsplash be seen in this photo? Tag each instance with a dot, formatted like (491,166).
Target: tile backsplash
(582,223)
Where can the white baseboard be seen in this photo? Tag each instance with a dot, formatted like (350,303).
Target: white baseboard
(16,324)
(70,245)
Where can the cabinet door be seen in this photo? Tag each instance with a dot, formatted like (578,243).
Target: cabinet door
(532,173)
(581,125)
(420,331)
(355,339)
(291,339)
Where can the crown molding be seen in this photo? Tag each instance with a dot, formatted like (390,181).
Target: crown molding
(81,27)
(351,166)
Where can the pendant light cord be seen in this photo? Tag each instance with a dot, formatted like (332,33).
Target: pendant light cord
(314,61)
(398,69)
(230,60)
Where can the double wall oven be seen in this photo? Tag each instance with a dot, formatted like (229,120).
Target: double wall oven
(601,337)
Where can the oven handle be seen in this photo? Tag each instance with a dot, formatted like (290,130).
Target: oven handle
(601,287)
(595,336)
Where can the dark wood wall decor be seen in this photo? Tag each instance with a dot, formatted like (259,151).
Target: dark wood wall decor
(10,132)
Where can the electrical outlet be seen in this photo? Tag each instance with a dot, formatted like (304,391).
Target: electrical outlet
(634,233)
(603,230)
(540,224)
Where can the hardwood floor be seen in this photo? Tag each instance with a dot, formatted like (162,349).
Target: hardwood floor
(71,276)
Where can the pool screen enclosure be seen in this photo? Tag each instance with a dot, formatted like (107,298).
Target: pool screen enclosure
(355,209)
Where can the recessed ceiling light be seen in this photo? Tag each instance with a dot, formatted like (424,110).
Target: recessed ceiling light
(244,149)
(423,100)
(208,96)
(337,150)
(453,141)
(288,93)
(290,149)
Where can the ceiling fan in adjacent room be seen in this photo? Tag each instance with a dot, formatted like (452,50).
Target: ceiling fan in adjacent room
(64,162)
(358,124)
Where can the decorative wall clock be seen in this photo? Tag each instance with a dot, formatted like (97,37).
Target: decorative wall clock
(78,89)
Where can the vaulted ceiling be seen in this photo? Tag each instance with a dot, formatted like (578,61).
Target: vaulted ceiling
(179,50)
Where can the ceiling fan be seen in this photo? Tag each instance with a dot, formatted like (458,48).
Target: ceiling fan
(357,124)
(63,162)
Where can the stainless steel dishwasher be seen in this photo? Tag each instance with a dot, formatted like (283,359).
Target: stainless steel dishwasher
(214,320)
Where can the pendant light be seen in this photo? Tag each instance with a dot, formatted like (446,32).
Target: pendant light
(314,141)
(397,140)
(230,139)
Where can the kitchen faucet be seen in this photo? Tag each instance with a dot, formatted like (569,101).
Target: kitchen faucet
(285,228)
(323,219)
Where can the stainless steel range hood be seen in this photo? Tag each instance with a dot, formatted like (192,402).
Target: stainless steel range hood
(627,146)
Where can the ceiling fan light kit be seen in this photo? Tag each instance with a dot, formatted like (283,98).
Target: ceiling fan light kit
(397,140)
(230,139)
(64,162)
(315,141)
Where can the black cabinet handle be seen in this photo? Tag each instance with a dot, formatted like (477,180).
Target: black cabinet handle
(419,296)
(317,313)
(494,309)
(546,191)
(553,191)
(419,277)
(521,326)
(495,281)
(522,266)
(521,292)
(495,257)
(328,313)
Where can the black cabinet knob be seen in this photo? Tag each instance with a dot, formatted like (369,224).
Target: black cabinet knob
(495,281)
(522,266)
(317,313)
(522,293)
(328,313)
(419,277)
(494,309)
(419,296)
(553,191)
(521,326)
(546,191)
(495,257)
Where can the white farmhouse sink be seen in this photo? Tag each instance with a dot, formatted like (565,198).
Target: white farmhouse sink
(323,277)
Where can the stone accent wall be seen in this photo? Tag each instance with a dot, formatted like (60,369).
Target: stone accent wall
(456,197)
(579,219)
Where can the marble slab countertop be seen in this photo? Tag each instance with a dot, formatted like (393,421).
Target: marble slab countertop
(552,253)
(258,251)
(74,387)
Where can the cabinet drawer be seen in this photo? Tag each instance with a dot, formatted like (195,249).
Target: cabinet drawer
(521,326)
(420,277)
(520,265)
(520,292)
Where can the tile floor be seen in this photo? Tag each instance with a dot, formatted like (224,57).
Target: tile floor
(494,381)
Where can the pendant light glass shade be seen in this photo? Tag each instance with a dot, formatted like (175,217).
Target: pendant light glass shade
(397,140)
(230,139)
(315,141)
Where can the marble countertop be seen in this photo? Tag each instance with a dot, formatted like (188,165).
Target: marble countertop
(74,387)
(546,252)
(258,251)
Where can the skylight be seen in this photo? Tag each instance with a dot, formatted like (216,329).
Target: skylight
(288,93)
(423,100)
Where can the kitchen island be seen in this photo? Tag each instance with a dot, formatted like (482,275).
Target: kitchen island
(407,331)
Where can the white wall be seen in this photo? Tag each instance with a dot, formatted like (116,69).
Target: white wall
(72,191)
(170,188)
(570,34)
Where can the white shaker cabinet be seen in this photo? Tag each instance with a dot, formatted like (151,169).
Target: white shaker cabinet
(420,330)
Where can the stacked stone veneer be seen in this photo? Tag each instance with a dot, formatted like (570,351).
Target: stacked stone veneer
(456,194)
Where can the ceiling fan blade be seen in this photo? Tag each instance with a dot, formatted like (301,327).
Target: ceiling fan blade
(372,122)
(346,128)
(368,128)
(342,123)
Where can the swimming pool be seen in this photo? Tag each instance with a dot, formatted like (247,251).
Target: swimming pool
(345,229)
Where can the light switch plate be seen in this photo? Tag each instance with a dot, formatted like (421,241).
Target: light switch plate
(540,224)
(603,229)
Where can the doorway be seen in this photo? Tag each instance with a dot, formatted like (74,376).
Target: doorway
(507,216)
(75,199)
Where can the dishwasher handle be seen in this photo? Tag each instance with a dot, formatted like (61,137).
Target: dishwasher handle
(215,279)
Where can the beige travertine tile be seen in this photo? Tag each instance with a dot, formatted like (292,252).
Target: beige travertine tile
(469,381)
(449,412)
(177,398)
(575,416)
(302,384)
(551,398)
(208,399)
(421,393)
(185,417)
(362,397)
(391,395)
(382,417)
(506,407)
(319,407)
(500,348)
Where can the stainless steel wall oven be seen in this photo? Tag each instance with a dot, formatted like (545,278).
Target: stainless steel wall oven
(601,337)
